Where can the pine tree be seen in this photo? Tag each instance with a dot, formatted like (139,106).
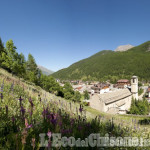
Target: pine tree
(32,70)
(2,50)
(10,57)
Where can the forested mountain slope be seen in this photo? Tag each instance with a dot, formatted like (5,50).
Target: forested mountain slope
(111,65)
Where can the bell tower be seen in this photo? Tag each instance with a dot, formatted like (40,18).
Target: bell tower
(134,87)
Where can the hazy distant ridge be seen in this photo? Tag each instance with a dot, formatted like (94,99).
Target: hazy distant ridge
(45,70)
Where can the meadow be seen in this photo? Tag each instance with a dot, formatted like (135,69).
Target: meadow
(27,110)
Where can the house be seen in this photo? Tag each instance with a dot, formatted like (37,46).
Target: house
(82,88)
(123,83)
(116,102)
(100,88)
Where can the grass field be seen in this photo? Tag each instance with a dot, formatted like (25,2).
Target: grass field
(27,110)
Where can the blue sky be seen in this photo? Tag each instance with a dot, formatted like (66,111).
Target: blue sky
(60,32)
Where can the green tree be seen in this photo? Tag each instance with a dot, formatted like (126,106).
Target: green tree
(68,88)
(86,95)
(139,107)
(32,70)
(9,59)
(68,96)
(49,83)
(77,96)
(2,50)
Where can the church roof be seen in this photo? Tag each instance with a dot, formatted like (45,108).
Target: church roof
(111,97)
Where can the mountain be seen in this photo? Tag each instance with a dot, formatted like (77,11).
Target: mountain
(45,70)
(122,48)
(111,65)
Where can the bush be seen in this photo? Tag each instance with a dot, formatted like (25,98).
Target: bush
(139,107)
(140,91)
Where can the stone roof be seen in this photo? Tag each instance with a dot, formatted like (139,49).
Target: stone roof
(111,97)
(120,103)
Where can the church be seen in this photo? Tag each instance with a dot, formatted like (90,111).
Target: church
(116,102)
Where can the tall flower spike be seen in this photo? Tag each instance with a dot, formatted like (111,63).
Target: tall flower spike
(20,99)
(33,143)
(22,111)
(80,109)
(1,96)
(6,110)
(2,86)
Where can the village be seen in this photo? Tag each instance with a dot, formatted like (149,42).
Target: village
(112,98)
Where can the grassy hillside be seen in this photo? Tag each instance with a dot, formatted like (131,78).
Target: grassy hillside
(110,65)
(23,116)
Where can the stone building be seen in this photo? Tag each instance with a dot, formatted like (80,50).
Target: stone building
(118,101)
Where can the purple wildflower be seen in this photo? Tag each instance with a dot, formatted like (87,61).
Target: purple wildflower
(45,112)
(2,86)
(29,126)
(13,119)
(53,119)
(6,109)
(20,99)
(22,110)
(80,109)
(1,96)
(49,134)
(72,122)
(30,100)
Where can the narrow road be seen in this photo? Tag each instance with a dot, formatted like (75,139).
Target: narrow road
(145,89)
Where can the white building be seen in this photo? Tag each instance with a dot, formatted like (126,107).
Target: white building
(104,90)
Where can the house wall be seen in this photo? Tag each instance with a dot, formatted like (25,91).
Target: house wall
(128,101)
(96,103)
(102,91)
(126,106)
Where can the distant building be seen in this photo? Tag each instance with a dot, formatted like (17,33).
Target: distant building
(123,83)
(118,101)
(100,88)
(57,80)
(82,88)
